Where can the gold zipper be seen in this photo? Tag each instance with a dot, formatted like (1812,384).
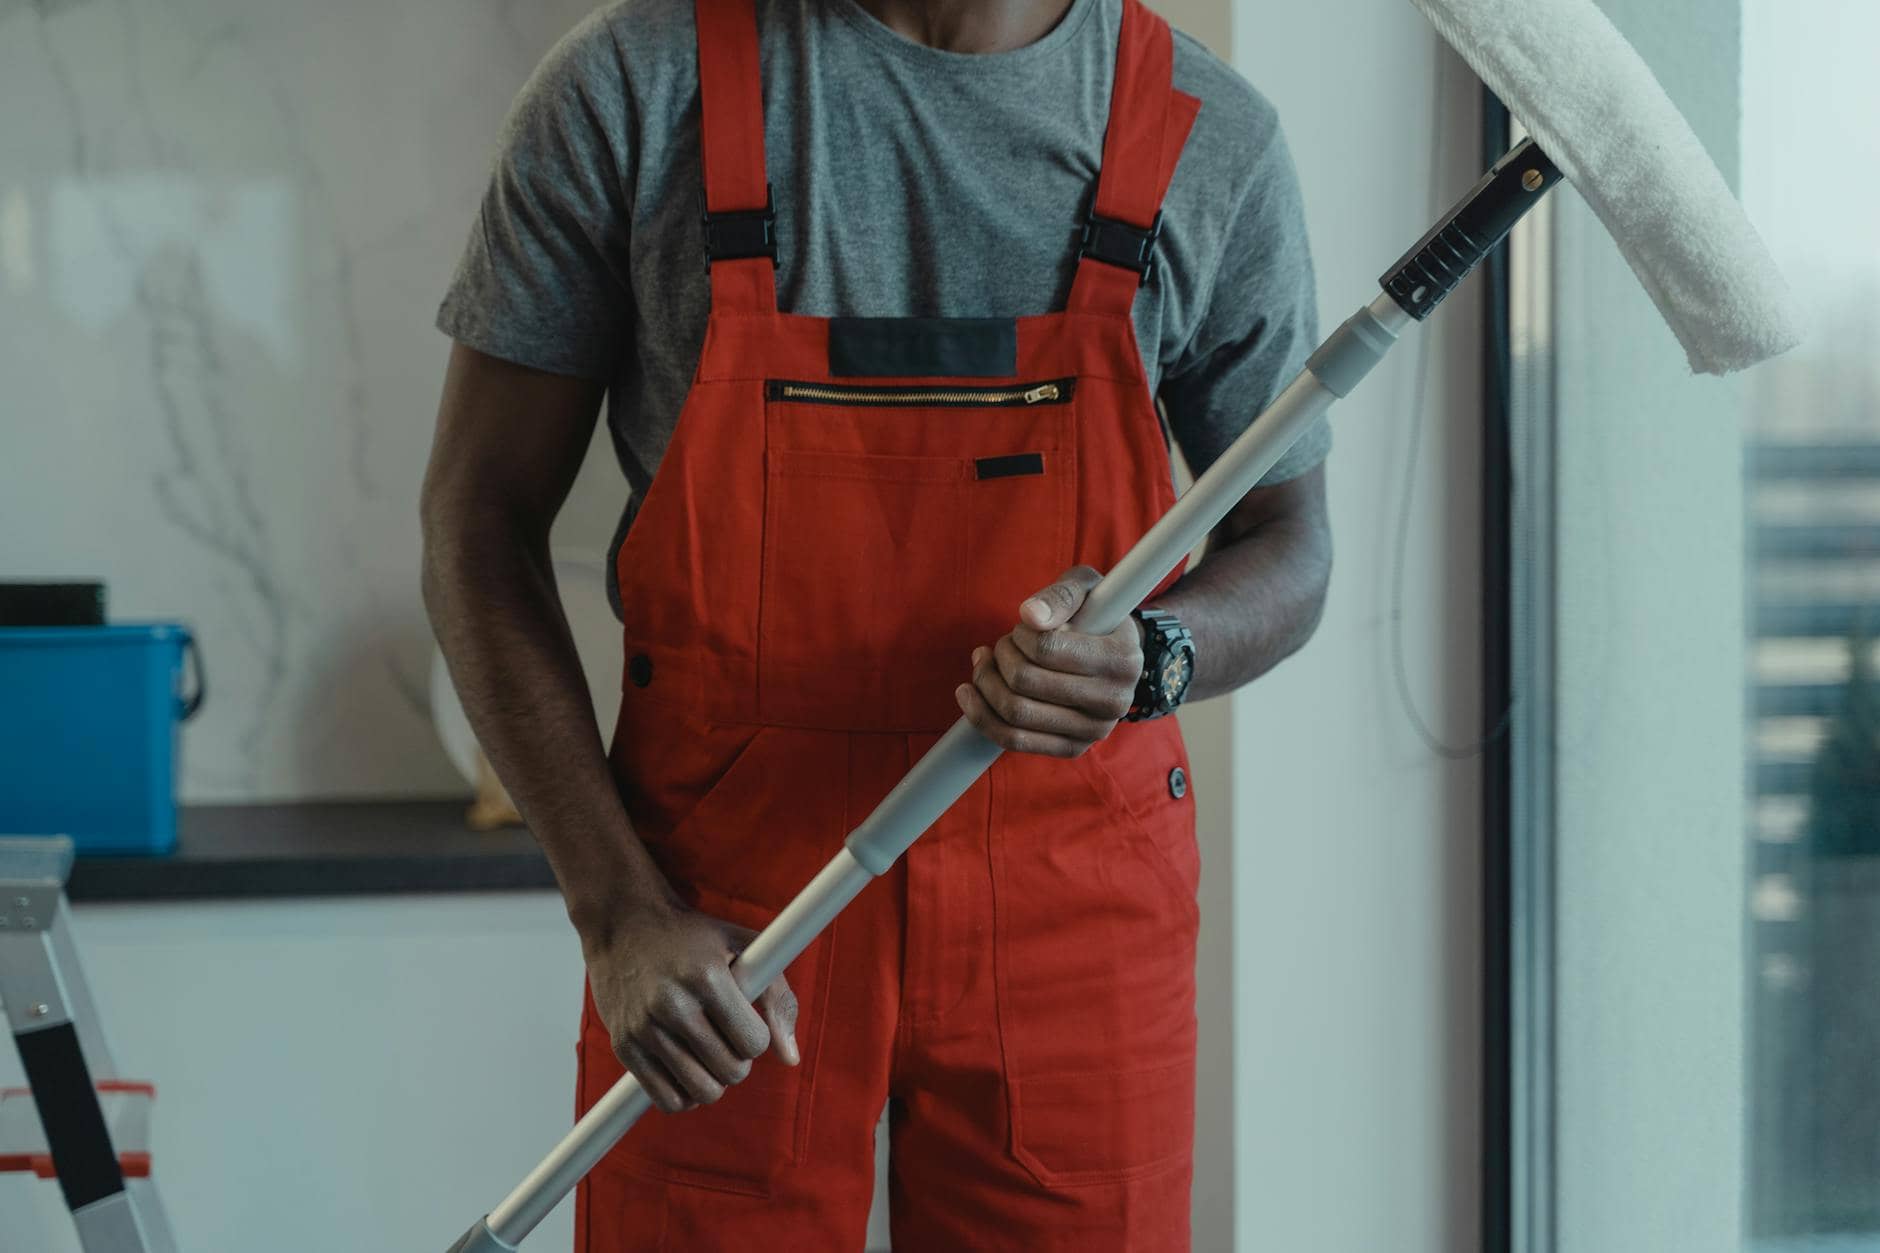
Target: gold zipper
(1055,392)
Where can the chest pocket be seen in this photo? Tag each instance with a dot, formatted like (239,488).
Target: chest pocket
(902,527)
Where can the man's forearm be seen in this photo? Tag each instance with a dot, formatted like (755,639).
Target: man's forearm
(1254,599)
(498,618)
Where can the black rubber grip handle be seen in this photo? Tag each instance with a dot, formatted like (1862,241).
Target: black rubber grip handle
(1463,240)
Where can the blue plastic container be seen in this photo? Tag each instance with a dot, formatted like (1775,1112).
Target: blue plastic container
(88,731)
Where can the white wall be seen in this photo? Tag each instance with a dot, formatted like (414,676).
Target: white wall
(368,1074)
(224,228)
(1355,881)
(1649,726)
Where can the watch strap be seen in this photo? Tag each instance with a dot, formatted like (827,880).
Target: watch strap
(1163,637)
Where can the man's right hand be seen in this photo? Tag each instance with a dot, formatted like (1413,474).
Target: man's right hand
(663,985)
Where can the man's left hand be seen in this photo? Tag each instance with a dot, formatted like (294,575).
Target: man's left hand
(1046,688)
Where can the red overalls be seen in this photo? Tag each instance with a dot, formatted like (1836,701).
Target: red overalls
(847,508)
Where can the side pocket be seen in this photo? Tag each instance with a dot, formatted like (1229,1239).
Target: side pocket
(1095,974)
(1104,1127)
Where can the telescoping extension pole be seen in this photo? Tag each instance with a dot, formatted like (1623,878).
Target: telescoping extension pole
(1412,290)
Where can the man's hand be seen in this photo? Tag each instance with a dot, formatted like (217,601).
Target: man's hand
(1046,688)
(663,985)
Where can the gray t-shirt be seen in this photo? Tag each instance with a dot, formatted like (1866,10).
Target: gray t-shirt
(909,181)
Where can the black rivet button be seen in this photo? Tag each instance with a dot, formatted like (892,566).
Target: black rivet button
(640,669)
(1177,783)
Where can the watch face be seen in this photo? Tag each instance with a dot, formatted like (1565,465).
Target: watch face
(1177,670)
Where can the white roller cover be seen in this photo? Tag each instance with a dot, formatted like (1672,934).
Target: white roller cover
(1597,109)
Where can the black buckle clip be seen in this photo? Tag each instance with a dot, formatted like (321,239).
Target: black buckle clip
(1118,243)
(742,233)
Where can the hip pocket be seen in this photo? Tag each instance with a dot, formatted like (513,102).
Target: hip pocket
(1141,772)
(902,527)
(736,812)
(751,1137)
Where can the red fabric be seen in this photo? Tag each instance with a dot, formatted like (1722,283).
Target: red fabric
(731,94)
(1141,145)
(805,584)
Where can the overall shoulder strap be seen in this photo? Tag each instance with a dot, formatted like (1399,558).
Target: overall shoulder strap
(1149,122)
(740,222)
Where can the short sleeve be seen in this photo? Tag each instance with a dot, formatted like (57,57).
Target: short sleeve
(1259,325)
(543,280)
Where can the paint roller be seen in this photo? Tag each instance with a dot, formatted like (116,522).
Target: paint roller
(1598,118)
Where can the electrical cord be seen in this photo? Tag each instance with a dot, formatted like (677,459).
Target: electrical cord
(1419,413)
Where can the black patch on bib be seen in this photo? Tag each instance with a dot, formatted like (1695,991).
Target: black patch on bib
(923,347)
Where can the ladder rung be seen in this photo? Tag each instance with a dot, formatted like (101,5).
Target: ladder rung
(126,1105)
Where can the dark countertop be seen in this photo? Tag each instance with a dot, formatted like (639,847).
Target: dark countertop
(319,849)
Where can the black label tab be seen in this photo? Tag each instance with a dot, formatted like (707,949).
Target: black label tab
(923,347)
(1009,467)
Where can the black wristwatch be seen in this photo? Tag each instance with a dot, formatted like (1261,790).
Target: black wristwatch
(1168,665)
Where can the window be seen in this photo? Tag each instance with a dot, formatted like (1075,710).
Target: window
(1813,540)
(1695,848)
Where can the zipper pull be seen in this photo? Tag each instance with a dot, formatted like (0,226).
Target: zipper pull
(1047,391)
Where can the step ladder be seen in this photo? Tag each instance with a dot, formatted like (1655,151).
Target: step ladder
(76,1120)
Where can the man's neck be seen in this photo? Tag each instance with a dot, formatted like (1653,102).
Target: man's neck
(969,25)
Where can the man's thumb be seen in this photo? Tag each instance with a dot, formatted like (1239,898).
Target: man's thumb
(1053,606)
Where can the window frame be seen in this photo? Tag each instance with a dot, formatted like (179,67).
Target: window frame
(1518,830)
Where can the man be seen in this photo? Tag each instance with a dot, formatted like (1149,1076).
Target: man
(880,293)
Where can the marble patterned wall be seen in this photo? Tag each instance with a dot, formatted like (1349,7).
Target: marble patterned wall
(224,229)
